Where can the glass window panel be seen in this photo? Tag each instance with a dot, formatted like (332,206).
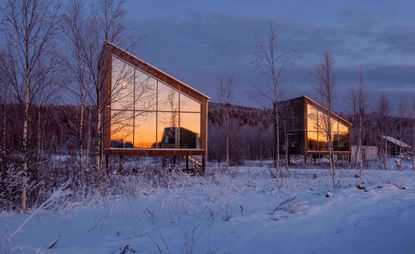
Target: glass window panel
(122,85)
(167,128)
(145,129)
(343,129)
(334,126)
(343,142)
(312,141)
(189,105)
(311,118)
(336,144)
(189,130)
(322,141)
(121,129)
(322,122)
(145,91)
(322,145)
(168,98)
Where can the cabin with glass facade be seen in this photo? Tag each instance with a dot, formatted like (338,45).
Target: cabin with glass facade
(304,122)
(147,112)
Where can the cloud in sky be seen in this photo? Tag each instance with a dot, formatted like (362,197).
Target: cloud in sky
(198,40)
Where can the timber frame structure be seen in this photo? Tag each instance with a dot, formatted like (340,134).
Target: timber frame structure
(180,143)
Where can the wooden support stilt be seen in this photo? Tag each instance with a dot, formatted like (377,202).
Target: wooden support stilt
(203,164)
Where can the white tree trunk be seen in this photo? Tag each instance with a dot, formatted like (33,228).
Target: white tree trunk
(277,140)
(330,148)
(98,144)
(23,197)
(81,128)
(88,145)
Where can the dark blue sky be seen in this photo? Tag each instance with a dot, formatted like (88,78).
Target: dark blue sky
(198,40)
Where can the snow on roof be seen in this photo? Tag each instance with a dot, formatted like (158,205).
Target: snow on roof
(396,141)
(157,69)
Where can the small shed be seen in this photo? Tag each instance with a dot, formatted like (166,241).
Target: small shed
(395,146)
(367,153)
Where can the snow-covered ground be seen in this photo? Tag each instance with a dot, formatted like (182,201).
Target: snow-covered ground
(239,210)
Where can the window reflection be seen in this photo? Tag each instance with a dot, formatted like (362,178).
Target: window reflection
(312,141)
(343,129)
(317,122)
(122,90)
(146,113)
(168,98)
(188,105)
(145,129)
(189,130)
(122,134)
(311,118)
(145,91)
(167,126)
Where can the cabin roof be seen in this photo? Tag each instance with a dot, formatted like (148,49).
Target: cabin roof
(396,141)
(308,99)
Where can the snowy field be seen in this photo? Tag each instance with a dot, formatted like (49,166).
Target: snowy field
(238,210)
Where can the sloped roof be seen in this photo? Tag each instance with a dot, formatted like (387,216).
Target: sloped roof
(334,114)
(315,103)
(396,141)
(155,69)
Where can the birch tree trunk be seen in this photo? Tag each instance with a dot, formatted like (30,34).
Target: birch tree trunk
(226,90)
(325,77)
(88,145)
(277,139)
(98,144)
(81,126)
(274,65)
(23,198)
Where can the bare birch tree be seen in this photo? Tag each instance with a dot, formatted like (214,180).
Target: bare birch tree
(73,27)
(271,62)
(3,100)
(105,24)
(29,28)
(359,101)
(403,121)
(382,123)
(46,84)
(325,76)
(226,89)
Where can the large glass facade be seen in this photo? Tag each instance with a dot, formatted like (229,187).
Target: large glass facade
(317,125)
(147,113)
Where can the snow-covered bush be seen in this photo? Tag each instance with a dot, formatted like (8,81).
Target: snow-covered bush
(10,187)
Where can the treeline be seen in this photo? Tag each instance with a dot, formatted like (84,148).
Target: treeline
(55,129)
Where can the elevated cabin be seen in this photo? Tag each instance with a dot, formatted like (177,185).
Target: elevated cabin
(303,122)
(147,112)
